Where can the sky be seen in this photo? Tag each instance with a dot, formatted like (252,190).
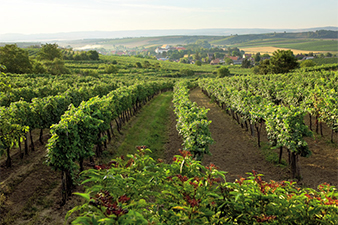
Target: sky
(54,16)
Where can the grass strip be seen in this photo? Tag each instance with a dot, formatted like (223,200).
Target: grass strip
(150,128)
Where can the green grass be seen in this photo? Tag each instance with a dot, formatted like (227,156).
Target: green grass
(318,45)
(272,156)
(267,42)
(150,129)
(299,44)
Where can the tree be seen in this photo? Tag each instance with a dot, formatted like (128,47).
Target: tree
(55,67)
(198,63)
(93,55)
(228,61)
(235,53)
(263,67)
(218,55)
(197,56)
(328,54)
(37,67)
(203,43)
(15,59)
(222,72)
(77,57)
(246,63)
(257,57)
(84,56)
(283,61)
(175,56)
(50,52)
(265,55)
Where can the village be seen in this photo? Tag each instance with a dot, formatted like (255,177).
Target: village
(213,55)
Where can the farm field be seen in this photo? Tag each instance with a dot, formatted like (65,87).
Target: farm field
(270,50)
(98,116)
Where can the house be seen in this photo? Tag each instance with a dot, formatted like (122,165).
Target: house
(165,47)
(161,50)
(236,60)
(216,61)
(300,56)
(247,56)
(121,53)
(180,48)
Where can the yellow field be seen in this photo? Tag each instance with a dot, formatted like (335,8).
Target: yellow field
(270,50)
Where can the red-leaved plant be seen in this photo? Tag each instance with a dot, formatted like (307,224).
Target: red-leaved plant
(140,190)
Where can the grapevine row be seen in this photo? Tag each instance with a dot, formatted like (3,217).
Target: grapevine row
(284,124)
(81,128)
(22,117)
(192,123)
(24,87)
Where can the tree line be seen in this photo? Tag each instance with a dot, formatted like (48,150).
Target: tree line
(49,59)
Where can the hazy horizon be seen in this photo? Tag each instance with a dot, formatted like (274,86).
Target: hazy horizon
(51,16)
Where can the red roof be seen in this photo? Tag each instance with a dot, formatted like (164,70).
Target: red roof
(234,58)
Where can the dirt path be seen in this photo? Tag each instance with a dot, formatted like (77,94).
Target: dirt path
(174,139)
(236,151)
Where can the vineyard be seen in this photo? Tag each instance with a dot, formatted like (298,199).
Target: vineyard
(59,136)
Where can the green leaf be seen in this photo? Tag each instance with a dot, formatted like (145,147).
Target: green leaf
(83,195)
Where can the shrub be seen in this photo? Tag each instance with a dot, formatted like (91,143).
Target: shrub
(110,69)
(307,63)
(187,72)
(223,72)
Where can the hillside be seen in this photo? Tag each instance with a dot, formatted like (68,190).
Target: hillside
(310,41)
(322,40)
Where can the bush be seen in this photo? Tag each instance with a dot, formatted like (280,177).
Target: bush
(146,64)
(138,65)
(110,69)
(307,63)
(223,72)
(187,72)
